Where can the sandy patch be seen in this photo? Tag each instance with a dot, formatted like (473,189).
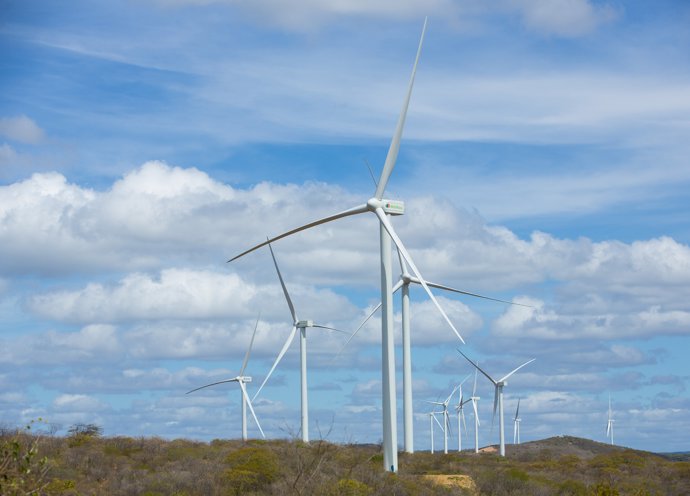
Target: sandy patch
(455,480)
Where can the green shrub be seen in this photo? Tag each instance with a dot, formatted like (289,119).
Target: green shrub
(350,487)
(250,469)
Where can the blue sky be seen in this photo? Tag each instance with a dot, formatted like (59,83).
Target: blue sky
(544,160)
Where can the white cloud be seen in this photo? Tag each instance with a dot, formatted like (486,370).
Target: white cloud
(21,129)
(92,343)
(563,17)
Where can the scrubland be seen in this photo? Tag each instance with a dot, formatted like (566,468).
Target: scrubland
(84,463)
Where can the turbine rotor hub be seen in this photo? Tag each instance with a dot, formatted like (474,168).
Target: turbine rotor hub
(391,207)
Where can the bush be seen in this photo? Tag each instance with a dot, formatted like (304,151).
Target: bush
(22,471)
(251,469)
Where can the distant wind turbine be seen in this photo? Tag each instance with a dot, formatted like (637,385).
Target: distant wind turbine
(475,400)
(383,209)
(446,418)
(302,325)
(498,397)
(459,409)
(516,424)
(609,423)
(242,379)
(404,283)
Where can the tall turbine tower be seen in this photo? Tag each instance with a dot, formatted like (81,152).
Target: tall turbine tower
(242,379)
(516,424)
(609,423)
(498,397)
(404,283)
(383,209)
(302,325)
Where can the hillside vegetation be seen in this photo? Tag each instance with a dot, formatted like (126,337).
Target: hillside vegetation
(86,464)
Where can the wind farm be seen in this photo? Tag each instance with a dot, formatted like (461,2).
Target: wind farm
(528,207)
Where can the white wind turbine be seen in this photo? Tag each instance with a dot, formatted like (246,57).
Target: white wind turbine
(516,424)
(404,282)
(446,418)
(302,325)
(384,208)
(609,423)
(242,379)
(460,410)
(432,419)
(475,400)
(498,397)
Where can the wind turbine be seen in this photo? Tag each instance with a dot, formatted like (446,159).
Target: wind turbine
(609,424)
(516,424)
(498,397)
(302,325)
(404,282)
(446,419)
(460,410)
(242,379)
(384,208)
(432,419)
(475,399)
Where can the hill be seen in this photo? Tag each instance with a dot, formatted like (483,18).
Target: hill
(90,464)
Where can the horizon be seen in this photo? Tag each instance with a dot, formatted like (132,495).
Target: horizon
(544,162)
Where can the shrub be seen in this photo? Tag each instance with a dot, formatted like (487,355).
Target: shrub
(251,469)
(22,471)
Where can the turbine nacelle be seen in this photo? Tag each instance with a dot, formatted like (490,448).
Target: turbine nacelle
(243,378)
(391,207)
(302,324)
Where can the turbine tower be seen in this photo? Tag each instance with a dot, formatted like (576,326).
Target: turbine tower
(609,424)
(516,424)
(498,397)
(460,410)
(383,209)
(404,283)
(475,400)
(242,379)
(302,325)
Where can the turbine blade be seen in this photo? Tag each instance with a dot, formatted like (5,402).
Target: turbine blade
(477,367)
(403,267)
(395,142)
(371,173)
(511,373)
(517,411)
(251,408)
(474,389)
(476,414)
(346,213)
(212,384)
(287,344)
(282,283)
(389,228)
(357,330)
(439,423)
(459,291)
(451,395)
(249,350)
(462,414)
(329,328)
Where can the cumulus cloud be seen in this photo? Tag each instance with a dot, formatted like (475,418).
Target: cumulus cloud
(563,17)
(21,129)
(92,343)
